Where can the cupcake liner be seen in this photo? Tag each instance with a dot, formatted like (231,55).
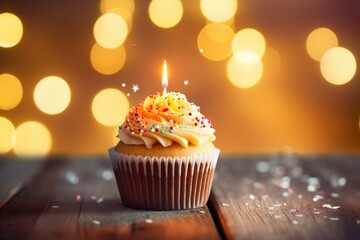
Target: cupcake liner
(164,183)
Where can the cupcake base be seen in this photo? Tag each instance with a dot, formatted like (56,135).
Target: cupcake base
(165,183)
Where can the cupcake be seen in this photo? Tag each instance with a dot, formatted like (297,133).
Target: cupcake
(165,159)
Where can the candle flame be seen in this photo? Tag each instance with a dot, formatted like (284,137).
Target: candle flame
(164,78)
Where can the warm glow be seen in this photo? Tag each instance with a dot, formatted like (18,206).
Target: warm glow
(165,13)
(110,5)
(110,107)
(319,41)
(244,75)
(218,10)
(115,139)
(7,135)
(165,77)
(215,39)
(247,43)
(107,61)
(272,63)
(125,15)
(110,30)
(52,95)
(11,91)
(32,139)
(338,65)
(11,30)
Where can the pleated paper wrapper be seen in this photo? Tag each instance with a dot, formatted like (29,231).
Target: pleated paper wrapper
(164,183)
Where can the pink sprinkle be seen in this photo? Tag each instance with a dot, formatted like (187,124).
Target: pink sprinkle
(78,197)
(300,196)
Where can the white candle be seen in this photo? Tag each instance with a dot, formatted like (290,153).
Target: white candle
(164,78)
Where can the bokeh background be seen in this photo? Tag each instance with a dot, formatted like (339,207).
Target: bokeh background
(269,74)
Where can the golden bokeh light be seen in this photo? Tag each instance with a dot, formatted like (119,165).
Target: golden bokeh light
(107,61)
(125,15)
(218,10)
(338,65)
(115,139)
(110,6)
(52,95)
(247,44)
(242,74)
(215,39)
(319,41)
(110,107)
(165,13)
(110,30)
(32,139)
(11,30)
(11,91)
(7,135)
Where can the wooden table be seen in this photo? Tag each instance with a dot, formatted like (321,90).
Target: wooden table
(279,196)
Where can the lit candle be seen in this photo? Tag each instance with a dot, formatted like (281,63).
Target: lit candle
(164,78)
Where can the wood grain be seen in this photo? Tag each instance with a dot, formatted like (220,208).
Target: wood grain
(76,199)
(13,175)
(269,197)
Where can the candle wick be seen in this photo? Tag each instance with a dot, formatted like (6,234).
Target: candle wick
(164,92)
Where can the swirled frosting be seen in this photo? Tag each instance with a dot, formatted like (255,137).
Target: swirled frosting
(165,119)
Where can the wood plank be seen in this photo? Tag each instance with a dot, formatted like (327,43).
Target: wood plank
(79,200)
(14,174)
(285,196)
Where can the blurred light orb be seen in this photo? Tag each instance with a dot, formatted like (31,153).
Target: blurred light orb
(125,15)
(247,57)
(338,65)
(319,41)
(7,133)
(110,5)
(107,61)
(110,107)
(247,43)
(52,95)
(218,10)
(165,13)
(216,39)
(11,91)
(33,139)
(11,30)
(110,30)
(115,139)
(244,75)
